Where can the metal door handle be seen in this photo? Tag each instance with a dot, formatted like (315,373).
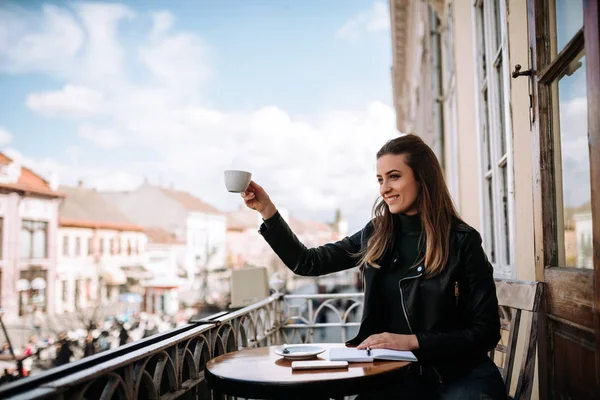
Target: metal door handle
(517,72)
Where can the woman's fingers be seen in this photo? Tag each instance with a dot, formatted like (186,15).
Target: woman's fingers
(379,346)
(368,342)
(376,341)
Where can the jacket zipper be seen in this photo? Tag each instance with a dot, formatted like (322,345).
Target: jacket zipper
(402,298)
(408,321)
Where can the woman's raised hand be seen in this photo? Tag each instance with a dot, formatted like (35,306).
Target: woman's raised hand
(257,199)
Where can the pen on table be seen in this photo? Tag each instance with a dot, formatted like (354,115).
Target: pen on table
(368,351)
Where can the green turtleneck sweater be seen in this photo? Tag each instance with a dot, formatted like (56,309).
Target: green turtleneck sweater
(393,268)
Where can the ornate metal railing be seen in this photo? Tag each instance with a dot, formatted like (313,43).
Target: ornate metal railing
(335,317)
(171,365)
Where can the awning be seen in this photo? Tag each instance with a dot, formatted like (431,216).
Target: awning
(164,282)
(137,272)
(113,276)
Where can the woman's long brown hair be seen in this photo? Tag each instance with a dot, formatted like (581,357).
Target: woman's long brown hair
(434,203)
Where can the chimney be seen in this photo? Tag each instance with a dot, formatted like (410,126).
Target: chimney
(53,181)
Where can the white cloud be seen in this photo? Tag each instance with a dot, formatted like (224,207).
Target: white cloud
(77,43)
(5,136)
(377,19)
(162,21)
(102,137)
(575,151)
(308,167)
(177,60)
(115,180)
(74,153)
(44,166)
(101,177)
(70,101)
(103,55)
(46,42)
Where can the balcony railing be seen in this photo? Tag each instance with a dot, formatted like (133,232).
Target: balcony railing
(171,365)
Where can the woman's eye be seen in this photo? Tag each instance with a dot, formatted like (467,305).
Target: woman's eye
(394,176)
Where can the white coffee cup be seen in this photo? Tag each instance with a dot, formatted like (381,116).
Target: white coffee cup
(237,181)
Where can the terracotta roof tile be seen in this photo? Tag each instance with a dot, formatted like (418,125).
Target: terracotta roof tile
(190,202)
(86,208)
(81,223)
(302,227)
(242,219)
(28,181)
(161,236)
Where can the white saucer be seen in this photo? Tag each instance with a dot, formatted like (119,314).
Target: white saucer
(299,351)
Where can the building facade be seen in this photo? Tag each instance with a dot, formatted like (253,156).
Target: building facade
(200,226)
(513,88)
(28,226)
(101,254)
(168,260)
(247,248)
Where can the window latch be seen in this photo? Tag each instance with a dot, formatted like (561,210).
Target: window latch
(517,72)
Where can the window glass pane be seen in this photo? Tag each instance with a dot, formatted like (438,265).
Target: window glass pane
(569,19)
(490,223)
(65,245)
(575,166)
(481,41)
(497,27)
(448,38)
(1,238)
(501,133)
(64,291)
(505,222)
(25,243)
(486,133)
(39,242)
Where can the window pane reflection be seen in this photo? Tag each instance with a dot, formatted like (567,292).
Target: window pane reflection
(569,19)
(575,166)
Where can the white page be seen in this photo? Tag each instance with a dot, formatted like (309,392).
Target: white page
(349,354)
(397,355)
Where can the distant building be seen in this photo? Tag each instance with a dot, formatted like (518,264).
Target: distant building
(246,247)
(100,252)
(167,259)
(188,219)
(28,225)
(584,234)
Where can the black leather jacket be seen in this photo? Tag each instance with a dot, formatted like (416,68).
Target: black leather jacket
(454,314)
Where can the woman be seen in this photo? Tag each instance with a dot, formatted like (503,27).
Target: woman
(428,284)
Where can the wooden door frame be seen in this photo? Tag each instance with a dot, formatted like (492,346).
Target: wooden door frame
(592,34)
(544,187)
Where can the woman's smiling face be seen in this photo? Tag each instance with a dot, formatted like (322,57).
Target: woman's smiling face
(397,184)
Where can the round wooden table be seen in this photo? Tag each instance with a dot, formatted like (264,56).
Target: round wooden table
(259,373)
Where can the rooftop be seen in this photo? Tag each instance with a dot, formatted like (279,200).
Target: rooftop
(23,180)
(161,236)
(86,208)
(190,202)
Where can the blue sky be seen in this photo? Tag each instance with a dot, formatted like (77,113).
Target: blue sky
(177,91)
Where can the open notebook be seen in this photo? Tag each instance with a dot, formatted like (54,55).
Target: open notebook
(354,355)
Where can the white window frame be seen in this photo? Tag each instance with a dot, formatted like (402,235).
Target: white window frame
(497,229)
